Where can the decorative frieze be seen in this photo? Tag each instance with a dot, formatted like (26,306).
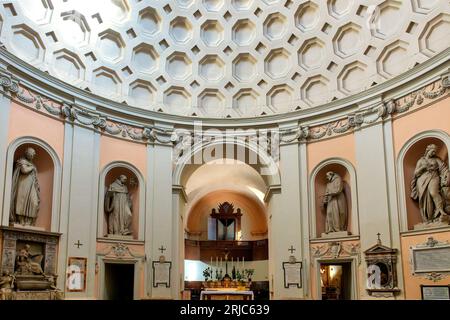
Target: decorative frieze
(119,251)
(336,249)
(152,134)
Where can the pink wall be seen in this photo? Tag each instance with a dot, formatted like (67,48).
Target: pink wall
(112,149)
(25,122)
(435,116)
(337,147)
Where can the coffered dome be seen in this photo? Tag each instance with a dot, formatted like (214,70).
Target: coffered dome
(217,58)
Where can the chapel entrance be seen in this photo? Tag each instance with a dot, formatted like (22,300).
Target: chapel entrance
(336,281)
(119,281)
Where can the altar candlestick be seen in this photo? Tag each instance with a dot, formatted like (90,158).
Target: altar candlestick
(243,262)
(211,262)
(217,262)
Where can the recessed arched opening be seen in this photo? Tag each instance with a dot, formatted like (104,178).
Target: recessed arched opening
(207,186)
(136,192)
(45,174)
(320,183)
(48,169)
(410,159)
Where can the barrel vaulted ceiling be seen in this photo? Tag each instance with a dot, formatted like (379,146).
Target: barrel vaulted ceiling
(225,58)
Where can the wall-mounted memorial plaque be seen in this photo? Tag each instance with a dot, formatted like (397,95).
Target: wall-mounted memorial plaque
(432,256)
(76,274)
(435,292)
(161,272)
(292,273)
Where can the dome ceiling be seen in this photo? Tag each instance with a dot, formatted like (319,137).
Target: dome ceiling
(225,58)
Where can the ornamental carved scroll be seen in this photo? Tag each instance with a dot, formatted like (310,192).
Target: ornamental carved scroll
(335,250)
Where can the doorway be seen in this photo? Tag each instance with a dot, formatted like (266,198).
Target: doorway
(336,281)
(119,281)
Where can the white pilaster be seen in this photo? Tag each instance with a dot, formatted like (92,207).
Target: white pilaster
(5,110)
(286,226)
(83,198)
(373,201)
(391,188)
(65,199)
(161,216)
(178,204)
(304,208)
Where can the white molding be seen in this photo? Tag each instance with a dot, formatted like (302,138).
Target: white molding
(149,216)
(354,294)
(42,82)
(65,205)
(354,195)
(101,197)
(327,240)
(102,260)
(56,192)
(180,190)
(5,107)
(305,218)
(438,134)
(250,147)
(412,233)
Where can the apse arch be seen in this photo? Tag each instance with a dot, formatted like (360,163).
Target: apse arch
(181,174)
(54,176)
(118,167)
(404,168)
(326,164)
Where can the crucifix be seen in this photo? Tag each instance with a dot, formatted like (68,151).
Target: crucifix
(78,244)
(162,249)
(291,249)
(379,239)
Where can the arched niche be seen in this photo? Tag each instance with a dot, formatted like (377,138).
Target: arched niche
(253,221)
(49,178)
(136,190)
(318,184)
(410,153)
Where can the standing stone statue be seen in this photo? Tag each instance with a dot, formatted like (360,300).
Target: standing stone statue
(6,286)
(25,198)
(429,185)
(335,203)
(118,207)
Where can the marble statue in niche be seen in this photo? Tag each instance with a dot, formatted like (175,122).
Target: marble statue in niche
(430,187)
(118,207)
(25,194)
(335,205)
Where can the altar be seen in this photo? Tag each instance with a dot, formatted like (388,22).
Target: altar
(226,294)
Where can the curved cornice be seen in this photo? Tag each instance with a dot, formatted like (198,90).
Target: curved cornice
(64,93)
